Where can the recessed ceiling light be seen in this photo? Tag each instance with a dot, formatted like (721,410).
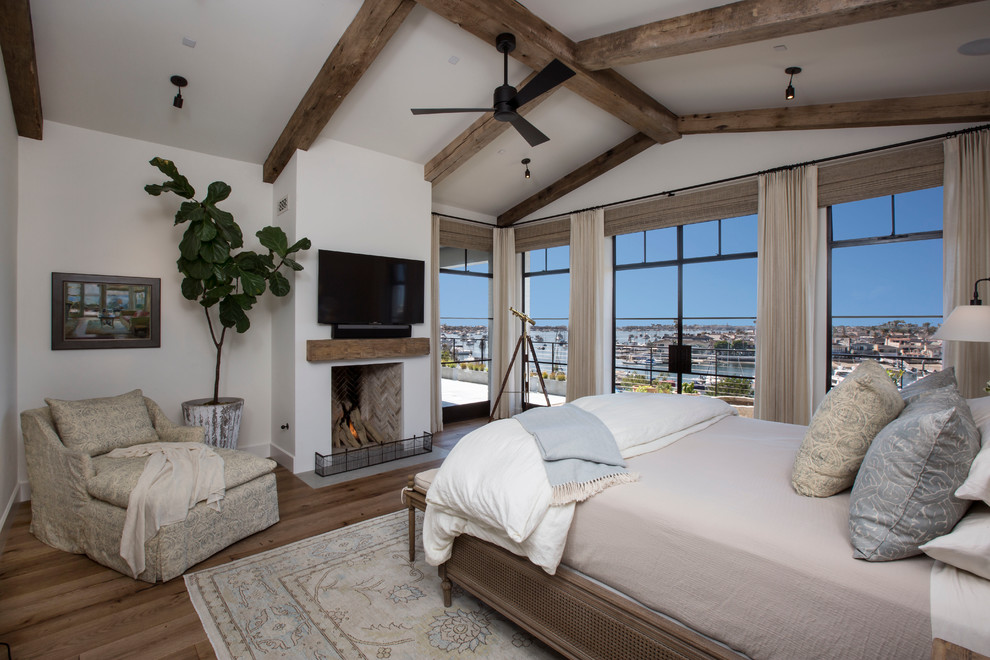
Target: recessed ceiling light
(186,41)
(975,47)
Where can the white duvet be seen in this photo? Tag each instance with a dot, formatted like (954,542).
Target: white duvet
(493,484)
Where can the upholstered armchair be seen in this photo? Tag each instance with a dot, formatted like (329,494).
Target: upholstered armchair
(79,495)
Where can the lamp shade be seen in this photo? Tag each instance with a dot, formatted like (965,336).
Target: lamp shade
(966,323)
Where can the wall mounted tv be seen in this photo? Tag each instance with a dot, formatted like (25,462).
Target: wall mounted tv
(364,289)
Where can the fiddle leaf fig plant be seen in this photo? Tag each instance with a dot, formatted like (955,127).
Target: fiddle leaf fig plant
(217,272)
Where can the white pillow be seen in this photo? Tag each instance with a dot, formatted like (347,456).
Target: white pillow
(967,546)
(981,415)
(977,484)
(636,418)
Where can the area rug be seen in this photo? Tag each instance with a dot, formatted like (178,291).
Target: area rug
(351,593)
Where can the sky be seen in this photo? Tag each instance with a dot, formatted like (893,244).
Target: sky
(891,281)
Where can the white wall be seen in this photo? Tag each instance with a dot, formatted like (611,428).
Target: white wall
(700,159)
(9,425)
(354,200)
(284,330)
(83,209)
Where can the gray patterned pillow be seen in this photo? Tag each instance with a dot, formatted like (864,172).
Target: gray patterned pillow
(841,431)
(903,495)
(939,379)
(96,426)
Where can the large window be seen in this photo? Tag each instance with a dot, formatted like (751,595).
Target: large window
(885,279)
(546,298)
(465,322)
(688,286)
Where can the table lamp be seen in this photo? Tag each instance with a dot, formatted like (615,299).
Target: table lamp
(968,322)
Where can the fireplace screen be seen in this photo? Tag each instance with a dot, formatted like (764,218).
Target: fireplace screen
(366,419)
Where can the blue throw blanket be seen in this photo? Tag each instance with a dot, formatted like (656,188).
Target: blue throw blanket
(579,452)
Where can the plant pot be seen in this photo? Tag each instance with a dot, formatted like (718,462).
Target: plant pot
(221,422)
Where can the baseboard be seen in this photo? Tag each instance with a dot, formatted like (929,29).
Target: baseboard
(6,521)
(257,450)
(282,457)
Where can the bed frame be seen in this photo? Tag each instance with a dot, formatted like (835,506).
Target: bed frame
(574,615)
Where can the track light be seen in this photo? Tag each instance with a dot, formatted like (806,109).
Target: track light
(179,82)
(526,162)
(792,70)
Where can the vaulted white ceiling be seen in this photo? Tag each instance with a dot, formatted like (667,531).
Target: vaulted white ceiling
(105,65)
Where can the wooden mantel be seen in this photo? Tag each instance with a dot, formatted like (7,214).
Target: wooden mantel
(325,350)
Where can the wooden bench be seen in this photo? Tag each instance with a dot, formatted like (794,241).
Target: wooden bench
(414,495)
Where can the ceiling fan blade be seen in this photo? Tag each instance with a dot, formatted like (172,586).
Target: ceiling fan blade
(438,111)
(529,132)
(552,75)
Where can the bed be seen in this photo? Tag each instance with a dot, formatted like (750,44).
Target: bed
(710,554)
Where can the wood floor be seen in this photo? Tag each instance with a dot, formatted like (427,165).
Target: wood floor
(58,605)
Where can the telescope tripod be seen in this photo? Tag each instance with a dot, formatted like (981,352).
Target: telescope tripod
(522,344)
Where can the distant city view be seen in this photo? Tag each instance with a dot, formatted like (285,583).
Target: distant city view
(722,354)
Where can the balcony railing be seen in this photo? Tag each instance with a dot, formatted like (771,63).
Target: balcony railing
(717,371)
(903,369)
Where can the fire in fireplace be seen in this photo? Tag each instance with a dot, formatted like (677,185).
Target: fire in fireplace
(353,431)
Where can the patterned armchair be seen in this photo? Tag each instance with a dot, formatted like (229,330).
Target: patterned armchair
(79,496)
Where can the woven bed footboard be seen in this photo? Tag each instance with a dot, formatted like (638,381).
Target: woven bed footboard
(569,612)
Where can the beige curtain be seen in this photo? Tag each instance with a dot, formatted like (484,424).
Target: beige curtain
(788,249)
(505,294)
(585,331)
(436,396)
(966,249)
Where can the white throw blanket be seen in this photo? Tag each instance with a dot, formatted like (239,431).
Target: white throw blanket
(493,484)
(176,477)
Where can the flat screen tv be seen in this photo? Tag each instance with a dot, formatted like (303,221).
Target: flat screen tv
(364,289)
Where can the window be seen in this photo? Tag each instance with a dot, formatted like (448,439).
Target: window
(692,285)
(546,298)
(465,323)
(885,284)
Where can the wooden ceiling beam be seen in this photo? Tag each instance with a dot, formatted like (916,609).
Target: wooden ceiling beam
(596,167)
(372,28)
(739,23)
(21,65)
(474,138)
(912,110)
(537,43)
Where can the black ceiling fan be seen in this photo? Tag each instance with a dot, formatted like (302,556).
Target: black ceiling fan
(506,100)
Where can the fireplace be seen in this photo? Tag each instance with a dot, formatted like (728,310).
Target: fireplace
(371,395)
(366,419)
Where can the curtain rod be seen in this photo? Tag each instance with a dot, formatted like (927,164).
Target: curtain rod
(457,217)
(671,193)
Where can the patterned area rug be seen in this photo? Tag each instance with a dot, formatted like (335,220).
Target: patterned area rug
(351,593)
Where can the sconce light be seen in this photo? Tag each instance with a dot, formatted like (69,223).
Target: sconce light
(179,82)
(792,71)
(526,162)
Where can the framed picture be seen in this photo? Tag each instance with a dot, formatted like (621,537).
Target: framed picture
(105,311)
